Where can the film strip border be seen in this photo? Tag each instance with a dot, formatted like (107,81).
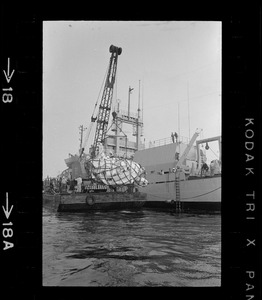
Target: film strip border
(21,147)
(241,179)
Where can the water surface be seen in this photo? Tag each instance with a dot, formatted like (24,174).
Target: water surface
(131,248)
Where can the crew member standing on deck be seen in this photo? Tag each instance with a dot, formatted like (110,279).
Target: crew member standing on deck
(79,184)
(68,185)
(63,183)
(176,136)
(204,169)
(173,137)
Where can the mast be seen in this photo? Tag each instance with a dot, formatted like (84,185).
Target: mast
(129,92)
(82,129)
(178,118)
(188,111)
(117,130)
(138,131)
(142,101)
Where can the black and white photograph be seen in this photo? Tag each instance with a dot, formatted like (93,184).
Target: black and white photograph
(132,149)
(111,140)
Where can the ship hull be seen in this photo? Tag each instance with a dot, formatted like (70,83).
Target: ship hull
(199,193)
(82,202)
(186,190)
(199,189)
(196,194)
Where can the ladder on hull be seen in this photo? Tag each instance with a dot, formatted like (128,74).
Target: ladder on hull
(177,187)
(178,169)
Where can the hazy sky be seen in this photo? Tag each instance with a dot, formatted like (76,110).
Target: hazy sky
(175,61)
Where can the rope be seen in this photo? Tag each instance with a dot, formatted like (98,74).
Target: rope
(203,194)
(92,123)
(160,197)
(100,91)
(213,151)
(118,172)
(88,134)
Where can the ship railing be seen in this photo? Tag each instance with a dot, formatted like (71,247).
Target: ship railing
(131,114)
(166,141)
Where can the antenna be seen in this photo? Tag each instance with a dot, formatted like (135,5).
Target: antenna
(82,129)
(129,92)
(115,100)
(142,101)
(188,109)
(139,96)
(178,118)
(138,130)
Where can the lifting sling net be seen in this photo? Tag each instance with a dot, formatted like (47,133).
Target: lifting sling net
(115,171)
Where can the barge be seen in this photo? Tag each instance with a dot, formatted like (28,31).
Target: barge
(83,202)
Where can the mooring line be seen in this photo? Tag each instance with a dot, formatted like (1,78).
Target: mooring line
(160,197)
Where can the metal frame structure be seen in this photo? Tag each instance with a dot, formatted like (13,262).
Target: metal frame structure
(106,102)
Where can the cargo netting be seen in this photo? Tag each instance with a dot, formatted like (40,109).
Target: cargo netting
(115,171)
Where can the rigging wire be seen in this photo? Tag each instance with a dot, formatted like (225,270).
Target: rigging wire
(92,123)
(103,83)
(164,198)
(88,134)
(114,103)
(213,152)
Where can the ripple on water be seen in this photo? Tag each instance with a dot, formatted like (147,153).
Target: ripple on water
(131,248)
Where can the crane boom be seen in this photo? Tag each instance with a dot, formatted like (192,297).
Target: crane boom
(106,102)
(189,146)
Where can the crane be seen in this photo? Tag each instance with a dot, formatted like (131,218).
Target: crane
(189,146)
(102,118)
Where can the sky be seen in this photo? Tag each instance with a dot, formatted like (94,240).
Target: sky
(178,64)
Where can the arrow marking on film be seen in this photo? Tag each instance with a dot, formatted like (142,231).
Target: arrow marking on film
(8,76)
(5,209)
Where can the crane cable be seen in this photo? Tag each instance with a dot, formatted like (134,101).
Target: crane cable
(92,117)
(213,152)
